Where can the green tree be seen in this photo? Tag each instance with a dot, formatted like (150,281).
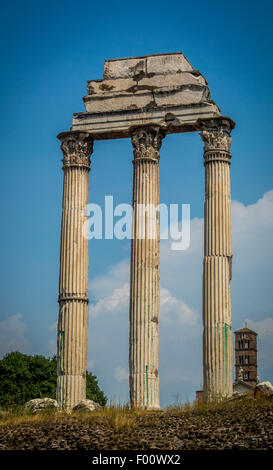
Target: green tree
(24,377)
(93,392)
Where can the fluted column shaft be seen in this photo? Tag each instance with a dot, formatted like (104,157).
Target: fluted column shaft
(73,279)
(144,285)
(217,318)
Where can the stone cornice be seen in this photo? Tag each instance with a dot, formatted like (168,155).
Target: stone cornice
(147,141)
(76,147)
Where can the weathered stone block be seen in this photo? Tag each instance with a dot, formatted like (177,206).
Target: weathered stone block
(174,79)
(182,96)
(117,102)
(168,63)
(41,404)
(129,85)
(109,85)
(118,68)
(264,389)
(143,65)
(87,405)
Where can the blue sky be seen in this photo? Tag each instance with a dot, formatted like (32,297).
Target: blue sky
(49,50)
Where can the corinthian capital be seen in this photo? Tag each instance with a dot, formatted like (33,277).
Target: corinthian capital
(76,147)
(216,134)
(147,142)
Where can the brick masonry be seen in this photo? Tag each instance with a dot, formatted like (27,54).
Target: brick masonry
(246,355)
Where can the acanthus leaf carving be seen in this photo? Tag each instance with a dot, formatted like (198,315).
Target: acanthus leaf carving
(147,142)
(77,148)
(216,135)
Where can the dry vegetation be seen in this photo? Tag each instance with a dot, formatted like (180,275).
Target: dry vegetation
(242,424)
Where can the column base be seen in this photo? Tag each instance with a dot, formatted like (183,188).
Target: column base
(153,408)
(146,408)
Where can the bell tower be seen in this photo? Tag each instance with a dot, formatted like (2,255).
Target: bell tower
(246,356)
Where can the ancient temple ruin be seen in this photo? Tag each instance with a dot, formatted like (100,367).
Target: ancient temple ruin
(145,99)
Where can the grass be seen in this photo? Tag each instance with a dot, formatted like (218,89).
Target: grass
(121,417)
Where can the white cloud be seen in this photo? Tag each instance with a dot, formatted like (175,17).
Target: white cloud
(254,217)
(121,374)
(12,335)
(264,328)
(114,278)
(181,271)
(252,227)
(175,310)
(114,303)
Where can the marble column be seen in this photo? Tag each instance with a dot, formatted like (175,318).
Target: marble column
(73,280)
(144,285)
(217,333)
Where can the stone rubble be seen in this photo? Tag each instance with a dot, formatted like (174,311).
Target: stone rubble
(264,389)
(235,428)
(87,405)
(41,404)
